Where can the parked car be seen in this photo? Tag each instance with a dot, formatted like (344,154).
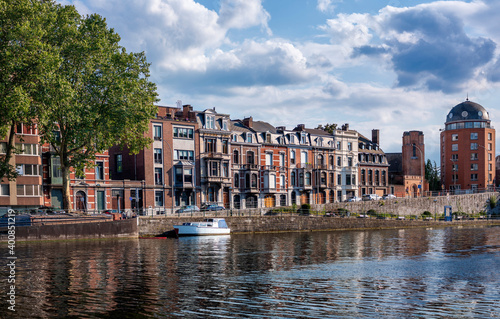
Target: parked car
(371,197)
(388,196)
(110,211)
(354,199)
(215,207)
(188,209)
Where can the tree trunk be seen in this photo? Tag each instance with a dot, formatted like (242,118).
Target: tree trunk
(65,171)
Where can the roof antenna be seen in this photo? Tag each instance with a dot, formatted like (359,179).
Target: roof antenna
(467,96)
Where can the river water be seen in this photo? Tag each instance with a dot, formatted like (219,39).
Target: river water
(406,273)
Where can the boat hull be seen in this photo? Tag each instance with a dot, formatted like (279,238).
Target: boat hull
(200,231)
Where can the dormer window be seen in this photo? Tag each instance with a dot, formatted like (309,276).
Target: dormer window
(268,138)
(210,122)
(320,141)
(224,125)
(249,138)
(303,138)
(234,138)
(292,139)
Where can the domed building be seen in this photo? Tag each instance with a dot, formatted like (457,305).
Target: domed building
(467,148)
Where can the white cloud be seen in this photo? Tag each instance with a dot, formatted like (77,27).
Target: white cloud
(326,5)
(241,14)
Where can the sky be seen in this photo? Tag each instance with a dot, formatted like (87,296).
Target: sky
(396,65)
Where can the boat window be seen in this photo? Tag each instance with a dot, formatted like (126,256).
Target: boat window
(222,223)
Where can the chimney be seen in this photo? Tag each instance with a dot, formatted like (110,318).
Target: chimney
(301,127)
(185,110)
(376,136)
(248,122)
(345,127)
(280,128)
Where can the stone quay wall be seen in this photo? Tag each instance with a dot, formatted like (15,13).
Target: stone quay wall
(84,230)
(467,203)
(158,226)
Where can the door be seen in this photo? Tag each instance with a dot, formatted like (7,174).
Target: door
(56,196)
(100,200)
(225,198)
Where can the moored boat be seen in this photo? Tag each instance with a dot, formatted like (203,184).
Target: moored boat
(209,226)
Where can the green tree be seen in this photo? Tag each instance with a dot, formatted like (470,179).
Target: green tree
(100,95)
(432,176)
(25,64)
(327,128)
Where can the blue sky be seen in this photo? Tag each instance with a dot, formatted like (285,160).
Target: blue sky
(394,65)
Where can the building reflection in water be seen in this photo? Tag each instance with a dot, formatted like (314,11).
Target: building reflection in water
(237,274)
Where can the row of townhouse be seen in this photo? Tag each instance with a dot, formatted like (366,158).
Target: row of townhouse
(205,157)
(201,157)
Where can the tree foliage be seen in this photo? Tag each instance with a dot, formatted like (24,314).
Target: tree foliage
(432,176)
(100,95)
(26,62)
(327,128)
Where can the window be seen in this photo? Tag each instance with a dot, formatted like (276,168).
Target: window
(348,179)
(210,145)
(349,161)
(489,136)
(28,170)
(301,179)
(473,136)
(188,175)
(454,157)
(157,132)
(454,147)
(320,160)
(28,190)
(489,146)
(157,156)
(339,145)
(292,177)
(473,146)
(249,138)
(3,148)
(490,156)
(119,163)
(454,167)
(473,177)
(224,125)
(292,157)
(349,146)
(339,179)
(269,159)
(234,138)
(282,182)
(323,178)
(4,190)
(303,157)
(210,122)
(282,160)
(225,169)
(303,138)
(214,168)
(158,176)
(27,149)
(320,141)
(178,175)
(308,179)
(236,180)
(454,137)
(474,156)
(183,155)
(250,157)
(339,161)
(158,198)
(236,157)
(474,167)
(99,170)
(490,167)
(268,138)
(225,146)
(254,180)
(183,132)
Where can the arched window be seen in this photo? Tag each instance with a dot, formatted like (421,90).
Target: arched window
(282,182)
(250,157)
(320,159)
(292,177)
(254,180)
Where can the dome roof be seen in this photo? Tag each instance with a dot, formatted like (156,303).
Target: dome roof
(467,111)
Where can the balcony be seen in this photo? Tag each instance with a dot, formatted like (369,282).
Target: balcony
(251,167)
(305,165)
(216,179)
(252,190)
(269,168)
(321,167)
(215,155)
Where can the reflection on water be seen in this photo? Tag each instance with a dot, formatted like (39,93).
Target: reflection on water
(447,272)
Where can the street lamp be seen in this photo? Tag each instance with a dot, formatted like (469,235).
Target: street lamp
(422,171)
